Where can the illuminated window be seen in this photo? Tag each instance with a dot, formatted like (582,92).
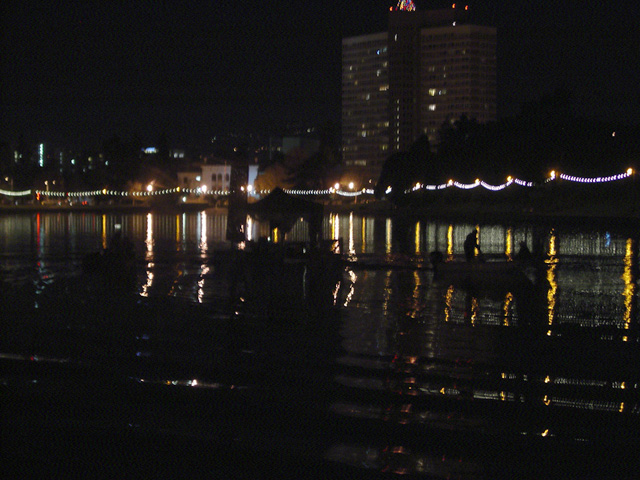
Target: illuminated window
(432,107)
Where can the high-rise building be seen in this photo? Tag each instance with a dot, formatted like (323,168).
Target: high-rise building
(365,103)
(429,68)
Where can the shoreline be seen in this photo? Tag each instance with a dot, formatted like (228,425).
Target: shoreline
(482,212)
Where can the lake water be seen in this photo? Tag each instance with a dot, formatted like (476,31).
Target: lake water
(387,371)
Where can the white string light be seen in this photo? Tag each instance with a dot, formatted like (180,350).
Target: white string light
(319,192)
(611,178)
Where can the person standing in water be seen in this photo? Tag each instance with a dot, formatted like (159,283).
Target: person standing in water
(470,245)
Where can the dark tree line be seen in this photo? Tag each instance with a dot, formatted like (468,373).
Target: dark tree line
(545,136)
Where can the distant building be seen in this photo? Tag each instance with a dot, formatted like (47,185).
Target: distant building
(429,68)
(214,177)
(365,103)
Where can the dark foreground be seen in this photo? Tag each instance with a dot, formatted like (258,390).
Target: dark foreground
(121,386)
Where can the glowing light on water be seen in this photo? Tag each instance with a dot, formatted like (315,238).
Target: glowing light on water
(202,225)
(104,231)
(334,221)
(474,311)
(149,256)
(448,303)
(388,236)
(149,238)
(353,278)
(450,242)
(178,233)
(508,302)
(552,263)
(249,229)
(352,249)
(630,286)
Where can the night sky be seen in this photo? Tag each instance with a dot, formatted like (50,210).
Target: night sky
(75,73)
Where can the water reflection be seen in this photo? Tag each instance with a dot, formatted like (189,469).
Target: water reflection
(416,376)
(581,274)
(552,263)
(149,243)
(630,282)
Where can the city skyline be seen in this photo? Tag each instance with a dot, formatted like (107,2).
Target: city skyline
(77,74)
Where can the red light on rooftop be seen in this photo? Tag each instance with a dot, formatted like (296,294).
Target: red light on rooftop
(453,6)
(466,7)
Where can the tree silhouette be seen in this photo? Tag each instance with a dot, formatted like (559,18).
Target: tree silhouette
(402,170)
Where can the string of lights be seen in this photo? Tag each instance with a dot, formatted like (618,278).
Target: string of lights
(202,191)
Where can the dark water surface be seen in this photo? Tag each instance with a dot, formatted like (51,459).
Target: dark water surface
(211,369)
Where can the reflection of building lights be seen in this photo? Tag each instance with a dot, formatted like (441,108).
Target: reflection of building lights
(551,278)
(450,242)
(508,301)
(104,232)
(630,287)
(388,237)
(448,303)
(352,249)
(508,250)
(474,310)
(203,233)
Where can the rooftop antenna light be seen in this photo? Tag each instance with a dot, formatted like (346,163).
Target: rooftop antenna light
(406,6)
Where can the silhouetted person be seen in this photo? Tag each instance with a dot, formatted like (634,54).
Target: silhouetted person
(436,257)
(524,254)
(470,245)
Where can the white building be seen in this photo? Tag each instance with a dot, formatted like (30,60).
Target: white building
(212,178)
(206,178)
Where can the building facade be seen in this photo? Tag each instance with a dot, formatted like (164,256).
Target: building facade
(365,105)
(429,68)
(206,178)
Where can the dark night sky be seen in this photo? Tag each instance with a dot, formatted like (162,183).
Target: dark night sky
(75,73)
